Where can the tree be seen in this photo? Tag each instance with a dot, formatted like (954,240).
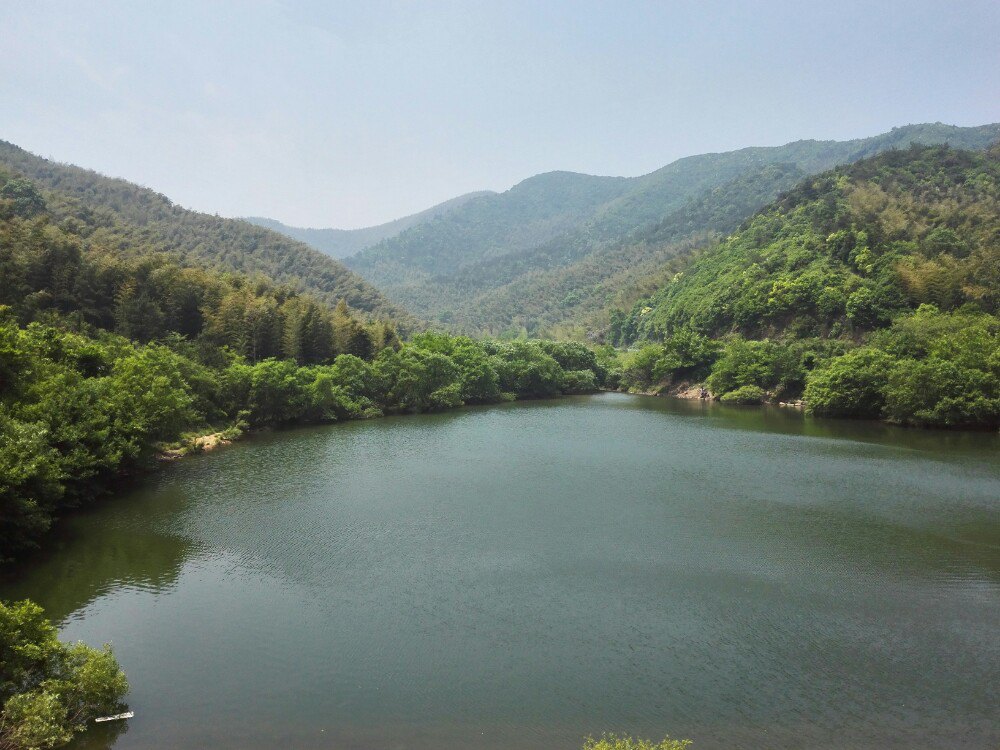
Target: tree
(742,363)
(276,393)
(30,483)
(50,690)
(942,393)
(851,385)
(28,202)
(418,380)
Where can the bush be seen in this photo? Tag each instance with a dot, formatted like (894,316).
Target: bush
(851,385)
(50,690)
(579,381)
(766,364)
(624,742)
(746,394)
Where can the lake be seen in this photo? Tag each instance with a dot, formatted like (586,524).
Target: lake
(523,575)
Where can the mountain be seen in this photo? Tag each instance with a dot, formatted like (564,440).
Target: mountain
(225,244)
(845,252)
(340,243)
(870,290)
(554,253)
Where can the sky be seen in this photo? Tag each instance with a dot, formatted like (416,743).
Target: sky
(333,114)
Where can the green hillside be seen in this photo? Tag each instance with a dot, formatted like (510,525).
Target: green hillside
(530,213)
(340,243)
(872,290)
(130,216)
(845,252)
(569,286)
(554,253)
(117,347)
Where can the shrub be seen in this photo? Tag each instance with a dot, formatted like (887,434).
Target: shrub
(746,394)
(579,381)
(624,742)
(50,690)
(850,385)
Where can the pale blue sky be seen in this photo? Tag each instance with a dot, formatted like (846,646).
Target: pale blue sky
(349,114)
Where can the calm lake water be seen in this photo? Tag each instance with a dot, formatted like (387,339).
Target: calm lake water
(520,576)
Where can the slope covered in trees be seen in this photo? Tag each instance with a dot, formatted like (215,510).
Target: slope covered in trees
(340,243)
(846,252)
(533,211)
(81,268)
(136,220)
(111,349)
(872,290)
(555,252)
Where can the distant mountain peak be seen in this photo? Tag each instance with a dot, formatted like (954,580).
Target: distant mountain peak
(341,243)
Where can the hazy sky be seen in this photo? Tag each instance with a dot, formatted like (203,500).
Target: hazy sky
(350,114)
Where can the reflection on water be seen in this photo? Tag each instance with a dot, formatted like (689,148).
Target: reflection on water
(523,575)
(125,544)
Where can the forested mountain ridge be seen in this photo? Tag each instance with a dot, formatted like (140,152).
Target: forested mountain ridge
(82,268)
(570,283)
(557,233)
(134,216)
(340,243)
(531,212)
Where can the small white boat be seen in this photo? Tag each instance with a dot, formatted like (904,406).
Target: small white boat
(116,717)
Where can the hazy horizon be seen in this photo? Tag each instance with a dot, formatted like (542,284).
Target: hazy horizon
(354,116)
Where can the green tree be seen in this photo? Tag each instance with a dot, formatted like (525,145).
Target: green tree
(50,690)
(852,385)
(418,380)
(624,742)
(942,393)
(766,364)
(28,202)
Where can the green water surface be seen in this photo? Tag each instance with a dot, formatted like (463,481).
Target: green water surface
(520,576)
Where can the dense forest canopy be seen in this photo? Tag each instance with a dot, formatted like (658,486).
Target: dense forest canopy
(552,255)
(88,271)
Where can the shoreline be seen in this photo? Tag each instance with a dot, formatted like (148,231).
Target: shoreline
(199,444)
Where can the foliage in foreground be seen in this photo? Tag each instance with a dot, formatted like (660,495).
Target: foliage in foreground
(49,690)
(625,742)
